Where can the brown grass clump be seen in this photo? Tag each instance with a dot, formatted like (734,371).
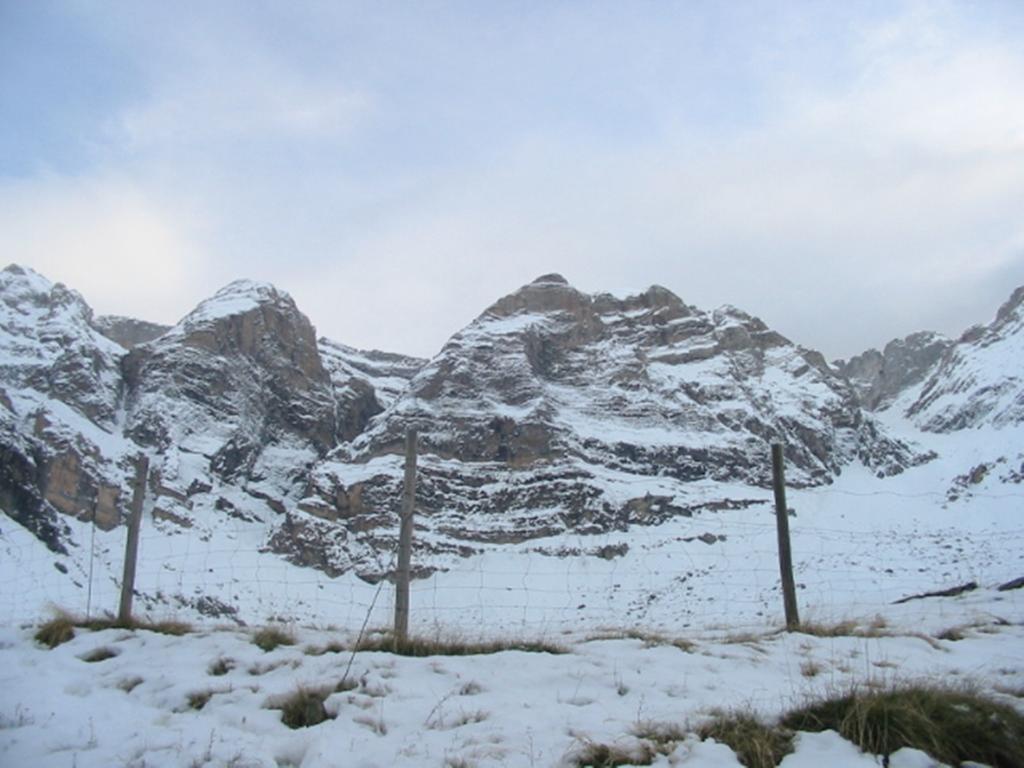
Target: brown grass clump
(756,744)
(450,646)
(99,654)
(58,630)
(596,755)
(952,725)
(304,707)
(269,638)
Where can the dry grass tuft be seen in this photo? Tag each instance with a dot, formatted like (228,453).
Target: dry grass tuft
(221,666)
(269,638)
(452,646)
(58,630)
(952,725)
(811,668)
(595,755)
(304,707)
(756,744)
(649,639)
(99,654)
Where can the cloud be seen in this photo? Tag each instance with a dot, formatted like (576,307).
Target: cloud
(853,212)
(846,176)
(105,237)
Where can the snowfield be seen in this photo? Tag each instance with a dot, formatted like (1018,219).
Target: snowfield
(673,622)
(157,701)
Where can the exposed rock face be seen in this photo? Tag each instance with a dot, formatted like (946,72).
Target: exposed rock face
(979,380)
(127,331)
(553,411)
(48,347)
(643,384)
(238,375)
(880,377)
(364,382)
(61,391)
(544,414)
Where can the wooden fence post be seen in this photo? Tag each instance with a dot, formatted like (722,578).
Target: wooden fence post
(131,550)
(405,542)
(782,526)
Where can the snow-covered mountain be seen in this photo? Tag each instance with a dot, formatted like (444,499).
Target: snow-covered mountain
(944,385)
(560,411)
(979,380)
(555,412)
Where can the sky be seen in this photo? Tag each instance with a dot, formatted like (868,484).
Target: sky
(849,172)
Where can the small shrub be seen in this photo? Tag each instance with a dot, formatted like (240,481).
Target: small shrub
(270,638)
(664,735)
(595,755)
(304,707)
(99,654)
(953,634)
(332,647)
(810,668)
(129,684)
(198,699)
(167,627)
(60,629)
(756,744)
(838,629)
(345,685)
(163,626)
(422,646)
(221,666)
(951,725)
(649,639)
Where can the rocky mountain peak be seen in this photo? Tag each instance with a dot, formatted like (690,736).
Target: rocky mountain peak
(879,378)
(1011,308)
(127,331)
(553,277)
(239,375)
(253,319)
(48,345)
(977,381)
(548,294)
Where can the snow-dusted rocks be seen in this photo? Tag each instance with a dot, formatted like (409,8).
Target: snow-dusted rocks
(880,377)
(559,411)
(127,331)
(979,380)
(555,412)
(60,389)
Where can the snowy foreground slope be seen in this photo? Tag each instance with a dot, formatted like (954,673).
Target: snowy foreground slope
(208,699)
(591,466)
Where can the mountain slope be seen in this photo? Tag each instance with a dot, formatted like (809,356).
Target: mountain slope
(978,381)
(556,411)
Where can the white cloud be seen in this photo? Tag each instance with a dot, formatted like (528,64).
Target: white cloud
(852,215)
(106,238)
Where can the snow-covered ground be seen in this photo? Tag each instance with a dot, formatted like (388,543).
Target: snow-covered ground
(711,580)
(137,708)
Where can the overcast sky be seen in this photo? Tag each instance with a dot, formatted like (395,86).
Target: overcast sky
(848,171)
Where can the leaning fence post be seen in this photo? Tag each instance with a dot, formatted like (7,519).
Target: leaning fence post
(131,550)
(405,542)
(782,526)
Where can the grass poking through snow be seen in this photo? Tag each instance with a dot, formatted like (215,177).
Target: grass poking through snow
(952,725)
(269,638)
(447,646)
(58,630)
(757,744)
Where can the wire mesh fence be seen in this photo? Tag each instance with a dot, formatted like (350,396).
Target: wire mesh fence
(854,555)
